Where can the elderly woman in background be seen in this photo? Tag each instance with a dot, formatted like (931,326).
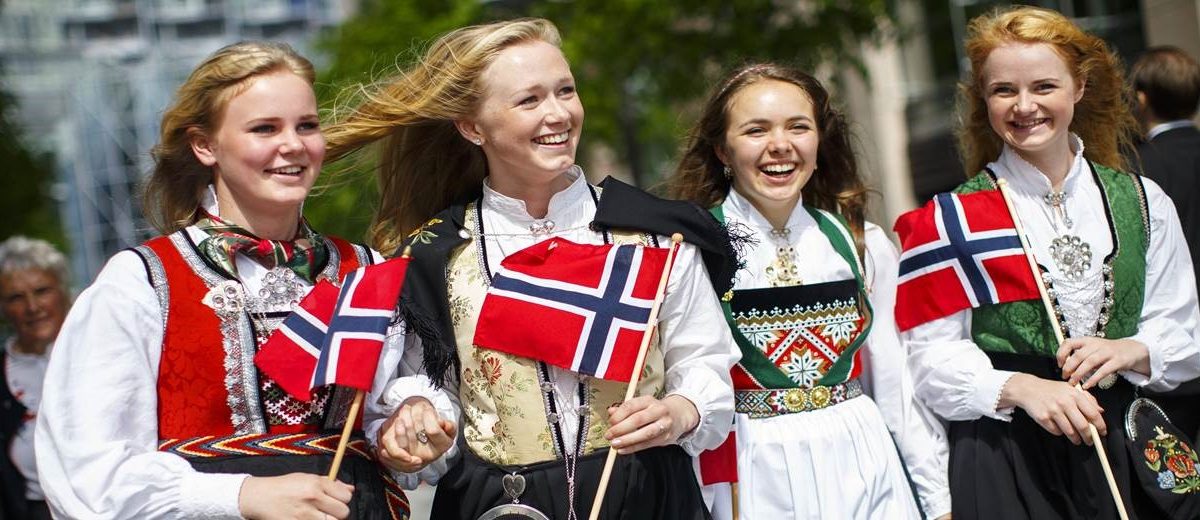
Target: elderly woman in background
(34,298)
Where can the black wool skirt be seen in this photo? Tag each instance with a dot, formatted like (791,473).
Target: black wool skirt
(1018,471)
(371,493)
(653,484)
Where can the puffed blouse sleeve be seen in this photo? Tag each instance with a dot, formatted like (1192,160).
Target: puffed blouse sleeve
(1170,315)
(97,434)
(698,349)
(919,434)
(398,379)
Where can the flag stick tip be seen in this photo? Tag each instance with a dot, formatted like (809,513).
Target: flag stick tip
(1001,182)
(677,238)
(407,252)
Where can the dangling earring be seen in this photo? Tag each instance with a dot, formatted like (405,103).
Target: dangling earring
(728,172)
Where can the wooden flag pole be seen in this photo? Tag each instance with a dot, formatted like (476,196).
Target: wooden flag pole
(1059,337)
(348,428)
(676,239)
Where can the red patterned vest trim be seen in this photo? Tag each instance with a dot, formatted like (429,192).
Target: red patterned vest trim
(207,381)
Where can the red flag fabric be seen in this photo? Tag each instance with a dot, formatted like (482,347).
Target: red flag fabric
(959,252)
(576,306)
(359,326)
(719,464)
(290,353)
(335,336)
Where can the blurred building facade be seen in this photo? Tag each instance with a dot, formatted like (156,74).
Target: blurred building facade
(92,77)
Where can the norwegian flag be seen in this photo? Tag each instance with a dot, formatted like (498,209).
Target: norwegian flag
(290,353)
(335,337)
(580,307)
(959,252)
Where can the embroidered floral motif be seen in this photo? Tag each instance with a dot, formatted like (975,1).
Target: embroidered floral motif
(1174,461)
(422,234)
(460,309)
(840,333)
(804,368)
(491,369)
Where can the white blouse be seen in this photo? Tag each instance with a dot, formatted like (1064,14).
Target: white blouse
(697,346)
(917,432)
(956,379)
(97,438)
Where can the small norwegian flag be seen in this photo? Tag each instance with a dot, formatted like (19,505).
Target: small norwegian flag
(959,252)
(580,307)
(718,464)
(335,337)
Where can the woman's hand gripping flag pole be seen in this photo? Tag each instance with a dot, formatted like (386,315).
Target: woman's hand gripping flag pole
(351,415)
(1059,336)
(676,239)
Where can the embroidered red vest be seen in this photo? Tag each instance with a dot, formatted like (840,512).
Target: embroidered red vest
(200,392)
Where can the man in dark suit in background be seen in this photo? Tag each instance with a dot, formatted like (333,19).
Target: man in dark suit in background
(1166,82)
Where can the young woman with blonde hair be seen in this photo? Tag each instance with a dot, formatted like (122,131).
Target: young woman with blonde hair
(1047,109)
(476,146)
(153,405)
(821,389)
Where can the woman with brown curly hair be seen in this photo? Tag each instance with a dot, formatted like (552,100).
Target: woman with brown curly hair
(822,379)
(1046,109)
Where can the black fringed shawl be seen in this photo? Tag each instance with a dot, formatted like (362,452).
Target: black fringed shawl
(425,299)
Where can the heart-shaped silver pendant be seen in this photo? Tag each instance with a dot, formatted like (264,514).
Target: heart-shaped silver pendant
(514,486)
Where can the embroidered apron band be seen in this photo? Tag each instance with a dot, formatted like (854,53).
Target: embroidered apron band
(770,403)
(211,446)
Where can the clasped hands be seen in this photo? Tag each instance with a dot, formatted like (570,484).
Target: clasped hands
(416,435)
(1060,408)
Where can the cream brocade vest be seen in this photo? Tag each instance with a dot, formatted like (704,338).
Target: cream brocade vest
(502,403)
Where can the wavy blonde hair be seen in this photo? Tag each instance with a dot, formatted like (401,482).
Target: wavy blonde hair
(172,193)
(425,165)
(1103,119)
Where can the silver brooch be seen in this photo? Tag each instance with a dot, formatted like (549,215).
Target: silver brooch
(226,297)
(1072,255)
(280,287)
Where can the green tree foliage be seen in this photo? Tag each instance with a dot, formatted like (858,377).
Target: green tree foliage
(26,207)
(640,65)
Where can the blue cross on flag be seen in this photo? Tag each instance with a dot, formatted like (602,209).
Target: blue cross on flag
(959,252)
(576,306)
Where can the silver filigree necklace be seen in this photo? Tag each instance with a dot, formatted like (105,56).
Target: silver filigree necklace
(1070,253)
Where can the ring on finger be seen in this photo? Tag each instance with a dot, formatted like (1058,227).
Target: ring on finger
(662,429)
(422,437)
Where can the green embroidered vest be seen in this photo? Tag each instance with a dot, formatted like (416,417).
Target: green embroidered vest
(503,408)
(1024,327)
